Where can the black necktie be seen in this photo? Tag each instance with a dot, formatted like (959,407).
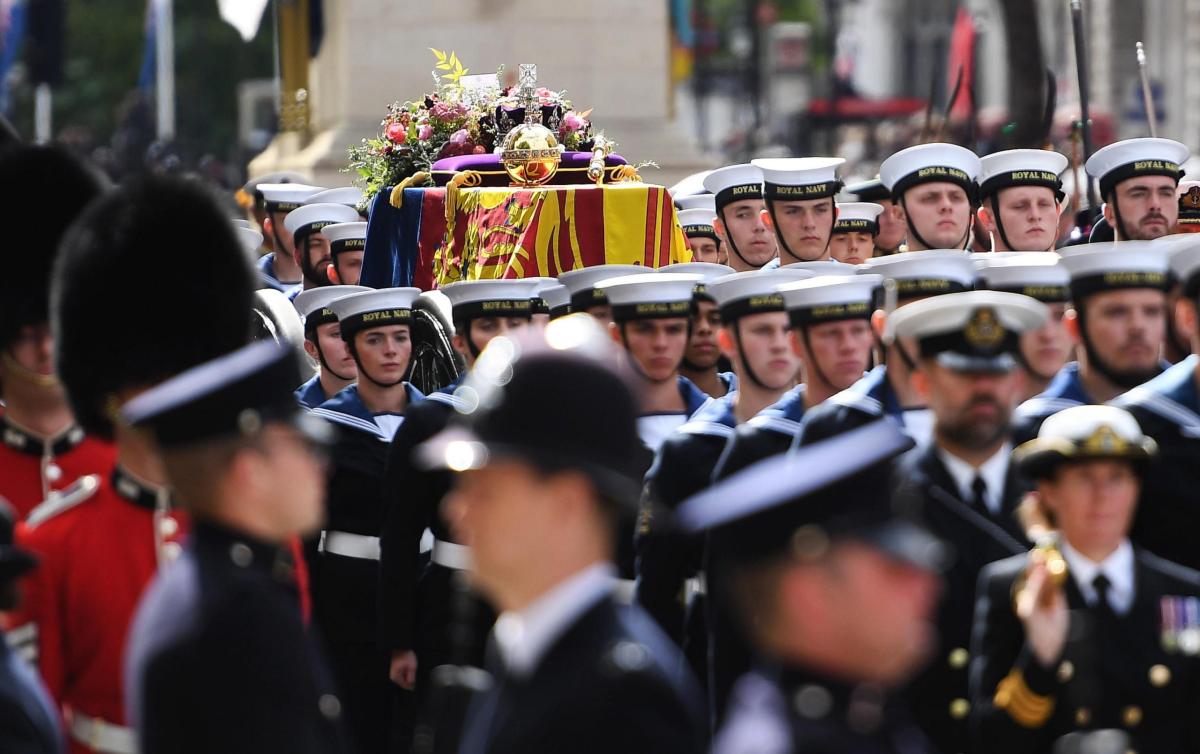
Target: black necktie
(1101,584)
(979,494)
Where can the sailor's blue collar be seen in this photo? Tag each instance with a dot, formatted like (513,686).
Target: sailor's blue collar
(693,397)
(730,380)
(717,411)
(875,384)
(347,408)
(311,394)
(1178,383)
(789,406)
(1068,385)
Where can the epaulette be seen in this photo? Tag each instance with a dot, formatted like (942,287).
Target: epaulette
(64,500)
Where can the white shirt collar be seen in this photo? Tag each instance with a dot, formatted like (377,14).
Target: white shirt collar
(994,470)
(524,636)
(1117,567)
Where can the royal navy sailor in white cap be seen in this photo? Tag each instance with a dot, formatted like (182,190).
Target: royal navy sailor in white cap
(934,185)
(1020,195)
(279,269)
(323,343)
(1137,183)
(854,233)
(586,297)
(347,245)
(798,193)
(747,239)
(701,236)
(312,253)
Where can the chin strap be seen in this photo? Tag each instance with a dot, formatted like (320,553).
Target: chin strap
(733,246)
(362,371)
(1124,234)
(783,245)
(633,362)
(15,369)
(325,364)
(1123,380)
(962,244)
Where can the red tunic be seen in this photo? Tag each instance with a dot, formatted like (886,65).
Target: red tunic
(98,551)
(31,467)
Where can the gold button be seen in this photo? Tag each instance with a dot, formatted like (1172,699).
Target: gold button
(1160,675)
(959,658)
(1131,716)
(1083,716)
(960,708)
(1066,671)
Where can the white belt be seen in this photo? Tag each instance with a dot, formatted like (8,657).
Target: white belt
(349,545)
(101,735)
(450,555)
(697,586)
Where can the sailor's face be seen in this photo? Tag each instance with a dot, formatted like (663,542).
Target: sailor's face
(704,249)
(941,214)
(741,224)
(384,352)
(1147,205)
(657,346)
(804,228)
(1126,328)
(854,247)
(891,225)
(336,352)
(319,256)
(1029,215)
(1048,348)
(349,267)
(702,349)
(836,352)
(971,409)
(767,349)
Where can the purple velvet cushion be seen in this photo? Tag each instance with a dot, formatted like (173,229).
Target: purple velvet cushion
(445,168)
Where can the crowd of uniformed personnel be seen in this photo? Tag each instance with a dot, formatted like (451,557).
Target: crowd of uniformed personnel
(918,471)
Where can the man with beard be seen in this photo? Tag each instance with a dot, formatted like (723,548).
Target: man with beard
(1044,351)
(279,268)
(891,220)
(1168,409)
(739,222)
(967,346)
(701,236)
(1137,182)
(702,359)
(323,343)
(1020,194)
(854,232)
(312,251)
(798,193)
(933,185)
(1119,319)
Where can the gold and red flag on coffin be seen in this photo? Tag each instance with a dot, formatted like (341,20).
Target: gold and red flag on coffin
(527,232)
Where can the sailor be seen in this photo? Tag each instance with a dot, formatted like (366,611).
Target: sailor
(886,390)
(323,343)
(251,199)
(708,203)
(1137,179)
(854,232)
(42,448)
(1040,276)
(546,461)
(701,236)
(351,196)
(551,300)
(226,624)
(1021,198)
(420,626)
(312,251)
(347,243)
(934,187)
(703,360)
(1168,410)
(891,221)
(586,297)
(1089,642)
(800,209)
(966,346)
(1118,317)
(834,589)
(746,237)
(279,268)
(376,327)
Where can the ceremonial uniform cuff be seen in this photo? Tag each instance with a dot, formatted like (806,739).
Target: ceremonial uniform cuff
(1026,693)
(1039,678)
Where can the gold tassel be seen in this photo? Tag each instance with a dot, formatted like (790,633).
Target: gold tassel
(396,198)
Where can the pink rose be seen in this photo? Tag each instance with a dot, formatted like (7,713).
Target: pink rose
(424,131)
(460,137)
(543,93)
(395,133)
(479,149)
(573,122)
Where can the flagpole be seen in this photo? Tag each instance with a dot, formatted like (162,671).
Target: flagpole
(164,31)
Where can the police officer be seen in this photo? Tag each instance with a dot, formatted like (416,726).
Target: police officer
(323,343)
(834,589)
(755,336)
(703,359)
(744,233)
(586,297)
(102,540)
(536,497)
(42,447)
(220,659)
(886,390)
(1137,183)
(966,346)
(1038,275)
(1118,316)
(1021,196)
(312,249)
(934,187)
(417,606)
(1168,410)
(854,232)
(1089,637)
(891,220)
(798,193)
(376,326)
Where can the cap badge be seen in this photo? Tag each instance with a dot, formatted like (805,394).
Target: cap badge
(1104,441)
(983,330)
(1190,200)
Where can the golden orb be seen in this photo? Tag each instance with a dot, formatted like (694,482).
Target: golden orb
(531,154)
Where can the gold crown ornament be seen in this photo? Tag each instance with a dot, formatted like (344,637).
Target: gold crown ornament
(531,153)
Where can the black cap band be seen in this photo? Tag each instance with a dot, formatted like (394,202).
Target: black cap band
(727,196)
(1110,179)
(560,311)
(347,244)
(583,300)
(1112,281)
(857,225)
(318,317)
(281,206)
(652,310)
(1048,294)
(700,231)
(928,287)
(815,315)
(935,174)
(522,307)
(366,320)
(780,192)
(538,306)
(742,307)
(1043,178)
(304,231)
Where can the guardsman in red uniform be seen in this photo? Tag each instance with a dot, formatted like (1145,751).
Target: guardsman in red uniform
(119,331)
(42,449)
